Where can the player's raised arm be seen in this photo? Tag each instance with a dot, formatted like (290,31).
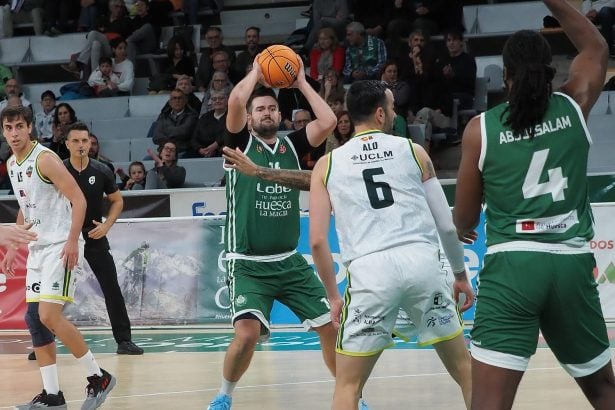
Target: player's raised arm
(236,116)
(587,70)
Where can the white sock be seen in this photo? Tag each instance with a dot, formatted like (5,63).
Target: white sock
(50,379)
(227,387)
(88,361)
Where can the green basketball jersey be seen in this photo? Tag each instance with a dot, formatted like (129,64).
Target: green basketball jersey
(262,217)
(536,188)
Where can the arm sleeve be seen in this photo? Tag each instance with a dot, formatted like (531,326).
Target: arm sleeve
(436,200)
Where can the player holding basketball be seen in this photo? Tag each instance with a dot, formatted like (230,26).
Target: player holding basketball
(50,199)
(528,159)
(262,227)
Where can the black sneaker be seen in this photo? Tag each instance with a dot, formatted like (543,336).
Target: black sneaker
(97,390)
(32,355)
(128,347)
(45,401)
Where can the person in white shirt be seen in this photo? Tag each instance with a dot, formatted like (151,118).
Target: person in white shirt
(122,67)
(102,78)
(12,87)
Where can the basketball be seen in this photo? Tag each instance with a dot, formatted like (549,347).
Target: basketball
(279,65)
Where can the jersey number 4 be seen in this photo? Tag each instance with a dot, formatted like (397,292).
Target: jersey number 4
(373,187)
(555,184)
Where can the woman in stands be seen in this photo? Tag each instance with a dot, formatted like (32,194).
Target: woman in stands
(219,82)
(64,116)
(166,173)
(342,132)
(331,84)
(326,54)
(180,64)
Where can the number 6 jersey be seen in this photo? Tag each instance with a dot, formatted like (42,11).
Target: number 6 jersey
(376,190)
(536,187)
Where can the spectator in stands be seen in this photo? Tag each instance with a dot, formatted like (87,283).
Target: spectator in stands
(326,54)
(57,16)
(417,66)
(94,153)
(185,84)
(64,116)
(291,99)
(222,62)
(331,83)
(122,67)
(12,87)
(399,88)
(214,38)
(115,24)
(336,100)
(602,12)
(191,8)
(144,36)
(342,132)
(166,173)
(22,11)
(365,54)
(43,120)
(135,180)
(208,136)
(180,65)
(177,124)
(101,79)
(327,13)
(457,73)
(246,57)
(219,82)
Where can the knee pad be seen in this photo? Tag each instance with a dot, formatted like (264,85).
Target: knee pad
(41,336)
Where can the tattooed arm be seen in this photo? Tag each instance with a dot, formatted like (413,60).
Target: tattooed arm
(292,178)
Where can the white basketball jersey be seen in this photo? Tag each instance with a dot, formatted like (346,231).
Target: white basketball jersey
(376,190)
(40,201)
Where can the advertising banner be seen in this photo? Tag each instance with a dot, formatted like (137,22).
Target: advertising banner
(173,271)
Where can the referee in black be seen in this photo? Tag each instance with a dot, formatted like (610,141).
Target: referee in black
(95,180)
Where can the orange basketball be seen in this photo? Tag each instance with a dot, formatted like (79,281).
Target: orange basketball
(279,65)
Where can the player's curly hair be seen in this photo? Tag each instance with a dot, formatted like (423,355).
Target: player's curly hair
(527,59)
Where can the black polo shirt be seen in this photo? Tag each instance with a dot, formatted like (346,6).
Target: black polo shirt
(95,181)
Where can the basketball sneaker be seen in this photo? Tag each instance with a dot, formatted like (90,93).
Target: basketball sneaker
(221,402)
(362,405)
(45,401)
(97,390)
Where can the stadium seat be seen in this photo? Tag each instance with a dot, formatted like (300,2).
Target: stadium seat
(491,68)
(601,151)
(100,108)
(115,150)
(33,92)
(14,50)
(55,50)
(146,105)
(506,18)
(122,128)
(602,106)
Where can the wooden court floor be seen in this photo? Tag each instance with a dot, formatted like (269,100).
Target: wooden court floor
(183,372)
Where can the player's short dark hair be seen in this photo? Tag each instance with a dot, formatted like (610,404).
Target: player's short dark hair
(363,99)
(104,60)
(260,92)
(15,113)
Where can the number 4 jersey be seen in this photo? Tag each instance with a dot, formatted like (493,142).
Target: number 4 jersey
(536,188)
(376,189)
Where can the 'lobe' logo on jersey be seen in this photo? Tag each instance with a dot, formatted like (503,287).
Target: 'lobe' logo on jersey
(92,180)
